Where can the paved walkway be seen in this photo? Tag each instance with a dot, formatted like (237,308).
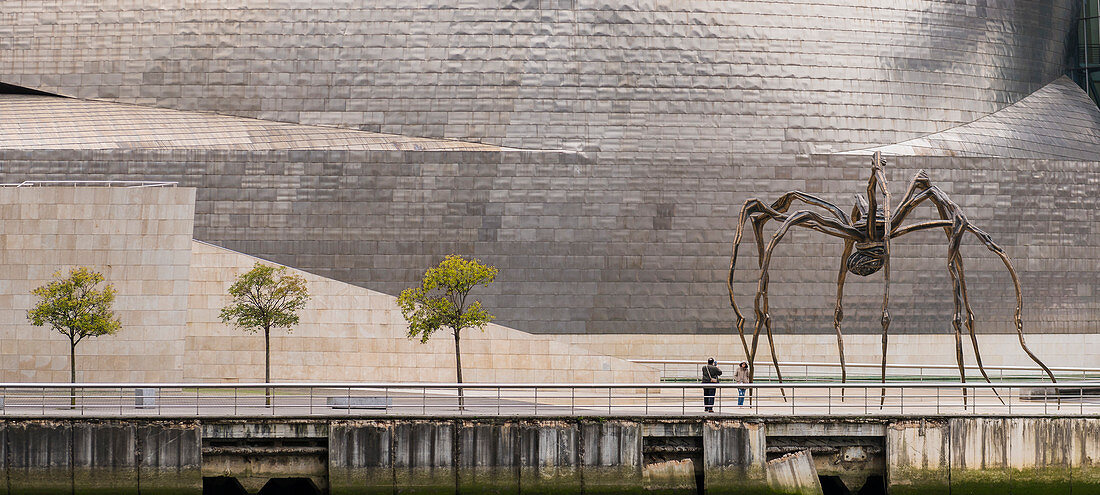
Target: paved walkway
(556,402)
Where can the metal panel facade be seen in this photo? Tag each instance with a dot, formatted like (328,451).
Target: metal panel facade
(673,112)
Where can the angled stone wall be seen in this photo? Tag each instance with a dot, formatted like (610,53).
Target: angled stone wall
(348,333)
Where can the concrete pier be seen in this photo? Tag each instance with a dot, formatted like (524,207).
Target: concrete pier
(1019,455)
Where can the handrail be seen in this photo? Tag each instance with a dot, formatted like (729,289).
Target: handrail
(867,365)
(339,399)
(482,385)
(93,183)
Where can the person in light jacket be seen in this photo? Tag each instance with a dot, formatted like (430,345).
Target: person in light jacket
(710,375)
(741,376)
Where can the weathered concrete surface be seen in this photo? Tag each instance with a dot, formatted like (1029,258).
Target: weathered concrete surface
(1085,456)
(105,458)
(39,457)
(254,452)
(988,455)
(1010,455)
(541,456)
(360,458)
(918,457)
(611,456)
(255,468)
(265,429)
(675,476)
(171,457)
(423,457)
(794,474)
(101,457)
(487,458)
(734,457)
(549,457)
(970,455)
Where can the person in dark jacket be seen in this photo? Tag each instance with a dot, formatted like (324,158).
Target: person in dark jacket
(710,375)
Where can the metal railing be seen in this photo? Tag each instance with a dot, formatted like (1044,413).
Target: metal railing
(91,183)
(480,399)
(689,369)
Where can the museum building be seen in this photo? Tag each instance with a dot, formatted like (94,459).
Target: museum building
(597,153)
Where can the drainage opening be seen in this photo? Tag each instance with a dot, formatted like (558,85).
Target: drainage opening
(222,485)
(832,485)
(290,486)
(875,485)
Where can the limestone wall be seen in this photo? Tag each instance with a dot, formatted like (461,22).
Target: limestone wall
(1055,349)
(138,238)
(348,333)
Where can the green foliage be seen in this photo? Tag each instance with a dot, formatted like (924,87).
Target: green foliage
(265,297)
(74,307)
(440,301)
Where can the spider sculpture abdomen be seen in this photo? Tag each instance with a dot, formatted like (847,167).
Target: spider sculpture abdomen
(867,259)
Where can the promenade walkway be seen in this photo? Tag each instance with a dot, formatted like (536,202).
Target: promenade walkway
(435,400)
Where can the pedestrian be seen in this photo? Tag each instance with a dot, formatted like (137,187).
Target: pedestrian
(710,375)
(741,376)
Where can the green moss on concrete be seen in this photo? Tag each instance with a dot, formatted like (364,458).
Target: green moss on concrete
(361,481)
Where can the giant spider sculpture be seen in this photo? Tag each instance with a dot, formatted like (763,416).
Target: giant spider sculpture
(869,230)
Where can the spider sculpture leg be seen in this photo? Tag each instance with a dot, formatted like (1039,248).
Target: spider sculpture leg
(878,183)
(993,247)
(969,321)
(760,213)
(838,314)
(956,295)
(955,225)
(802,218)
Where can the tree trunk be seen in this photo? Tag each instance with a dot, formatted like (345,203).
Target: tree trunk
(72,372)
(267,364)
(458,371)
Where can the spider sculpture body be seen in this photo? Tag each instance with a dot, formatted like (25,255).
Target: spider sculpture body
(867,233)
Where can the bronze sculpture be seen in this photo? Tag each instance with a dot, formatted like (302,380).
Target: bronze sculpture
(869,230)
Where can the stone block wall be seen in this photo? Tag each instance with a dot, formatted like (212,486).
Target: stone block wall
(349,333)
(138,238)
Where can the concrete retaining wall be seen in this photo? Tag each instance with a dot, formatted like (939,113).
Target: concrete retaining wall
(967,455)
(994,455)
(86,457)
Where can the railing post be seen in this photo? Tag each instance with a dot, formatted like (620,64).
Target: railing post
(536,401)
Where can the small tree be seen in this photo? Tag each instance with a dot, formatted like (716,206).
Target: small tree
(73,307)
(440,301)
(264,298)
